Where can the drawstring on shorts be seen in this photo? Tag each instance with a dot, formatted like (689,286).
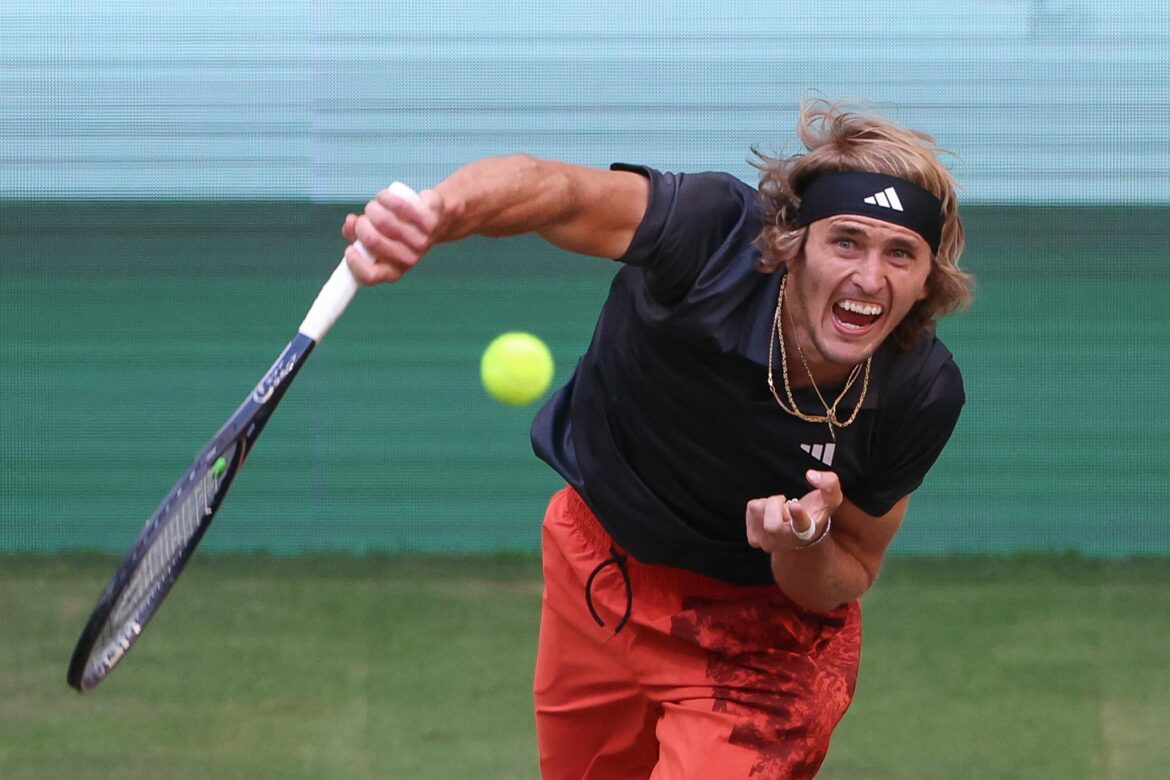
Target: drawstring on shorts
(615,559)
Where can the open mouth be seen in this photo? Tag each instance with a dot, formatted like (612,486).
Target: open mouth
(856,315)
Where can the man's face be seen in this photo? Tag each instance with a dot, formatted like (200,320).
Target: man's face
(855,280)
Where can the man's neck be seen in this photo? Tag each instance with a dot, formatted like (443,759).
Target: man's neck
(813,367)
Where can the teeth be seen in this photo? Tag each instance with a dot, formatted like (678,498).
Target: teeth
(869,309)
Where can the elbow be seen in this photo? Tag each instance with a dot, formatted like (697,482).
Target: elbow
(820,603)
(832,589)
(811,595)
(528,165)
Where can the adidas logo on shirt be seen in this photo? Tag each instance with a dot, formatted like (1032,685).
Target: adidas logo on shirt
(822,452)
(887,198)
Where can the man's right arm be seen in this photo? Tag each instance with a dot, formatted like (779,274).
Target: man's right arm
(584,210)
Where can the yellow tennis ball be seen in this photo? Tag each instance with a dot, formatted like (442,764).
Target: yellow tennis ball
(516,368)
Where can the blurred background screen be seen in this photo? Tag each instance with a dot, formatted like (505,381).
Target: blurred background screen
(173,179)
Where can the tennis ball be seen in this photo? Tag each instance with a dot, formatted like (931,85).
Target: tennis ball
(516,368)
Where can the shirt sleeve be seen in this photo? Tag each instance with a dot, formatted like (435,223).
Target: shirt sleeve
(914,442)
(688,218)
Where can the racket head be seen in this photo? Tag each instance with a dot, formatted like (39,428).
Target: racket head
(167,540)
(157,558)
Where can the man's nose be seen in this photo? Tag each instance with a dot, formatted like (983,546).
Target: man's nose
(868,274)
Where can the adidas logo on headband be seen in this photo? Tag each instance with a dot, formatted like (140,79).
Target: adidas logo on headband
(887,198)
(853,192)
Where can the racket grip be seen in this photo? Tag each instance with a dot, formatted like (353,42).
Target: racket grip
(336,294)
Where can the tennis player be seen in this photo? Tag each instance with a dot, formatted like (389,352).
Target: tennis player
(763,392)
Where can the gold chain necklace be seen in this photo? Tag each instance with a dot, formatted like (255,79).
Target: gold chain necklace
(830,415)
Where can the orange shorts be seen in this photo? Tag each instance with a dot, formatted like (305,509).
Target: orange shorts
(703,680)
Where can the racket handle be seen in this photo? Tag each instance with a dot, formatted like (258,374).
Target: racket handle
(341,287)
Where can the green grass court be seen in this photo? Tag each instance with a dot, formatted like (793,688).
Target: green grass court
(420,667)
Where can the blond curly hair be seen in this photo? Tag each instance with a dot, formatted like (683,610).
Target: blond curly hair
(838,139)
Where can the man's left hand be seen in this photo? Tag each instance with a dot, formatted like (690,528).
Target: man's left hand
(778,523)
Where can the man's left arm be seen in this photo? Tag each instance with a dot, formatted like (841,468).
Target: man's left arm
(821,575)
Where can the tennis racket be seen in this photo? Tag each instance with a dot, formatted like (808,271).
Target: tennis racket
(166,542)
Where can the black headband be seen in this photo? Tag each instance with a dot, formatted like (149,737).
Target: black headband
(876,195)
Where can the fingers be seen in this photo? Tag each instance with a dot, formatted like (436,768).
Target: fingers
(769,523)
(407,222)
(828,485)
(799,519)
(782,523)
(347,229)
(755,523)
(395,234)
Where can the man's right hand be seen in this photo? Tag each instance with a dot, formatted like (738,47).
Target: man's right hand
(395,233)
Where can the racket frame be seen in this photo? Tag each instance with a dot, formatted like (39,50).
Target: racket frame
(91,663)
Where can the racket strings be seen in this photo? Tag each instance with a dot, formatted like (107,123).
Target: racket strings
(157,570)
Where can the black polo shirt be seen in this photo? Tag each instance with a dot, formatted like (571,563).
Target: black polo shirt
(667,426)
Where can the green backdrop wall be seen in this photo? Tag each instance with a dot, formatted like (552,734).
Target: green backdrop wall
(130,331)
